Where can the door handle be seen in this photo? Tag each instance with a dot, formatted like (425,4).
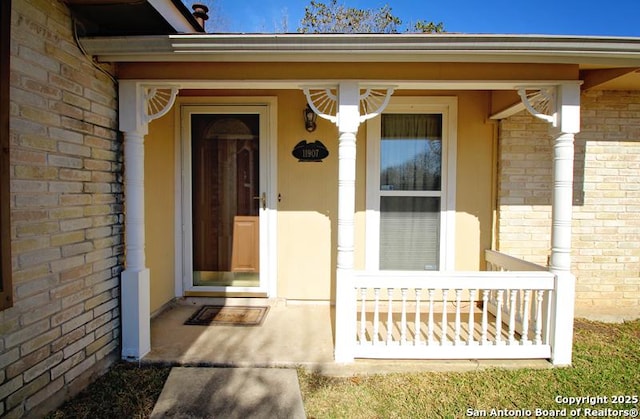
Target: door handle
(263,200)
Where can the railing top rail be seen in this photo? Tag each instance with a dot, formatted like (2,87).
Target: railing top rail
(455,280)
(511,263)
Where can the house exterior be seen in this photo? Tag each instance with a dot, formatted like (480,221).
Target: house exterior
(459,196)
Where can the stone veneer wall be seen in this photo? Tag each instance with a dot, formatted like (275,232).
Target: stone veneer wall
(606,211)
(66,210)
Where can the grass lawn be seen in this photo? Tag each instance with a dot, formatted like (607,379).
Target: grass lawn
(606,363)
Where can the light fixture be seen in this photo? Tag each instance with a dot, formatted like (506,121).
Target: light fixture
(309,119)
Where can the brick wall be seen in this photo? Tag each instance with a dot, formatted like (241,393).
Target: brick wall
(66,205)
(606,211)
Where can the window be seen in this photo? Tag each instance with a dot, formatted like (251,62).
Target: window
(410,185)
(6,288)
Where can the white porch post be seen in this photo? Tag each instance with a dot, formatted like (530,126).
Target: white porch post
(348,122)
(567,124)
(347,103)
(134,119)
(564,100)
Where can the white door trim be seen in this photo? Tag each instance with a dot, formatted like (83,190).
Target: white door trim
(448,107)
(267,108)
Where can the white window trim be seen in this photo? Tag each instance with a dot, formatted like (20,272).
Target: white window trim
(448,107)
(268,256)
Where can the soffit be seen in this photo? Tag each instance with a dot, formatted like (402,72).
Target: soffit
(629,81)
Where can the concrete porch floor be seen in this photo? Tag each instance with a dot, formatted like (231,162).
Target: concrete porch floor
(292,335)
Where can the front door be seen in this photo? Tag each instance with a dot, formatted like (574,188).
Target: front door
(226,201)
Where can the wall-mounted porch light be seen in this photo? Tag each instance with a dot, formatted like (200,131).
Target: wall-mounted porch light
(309,119)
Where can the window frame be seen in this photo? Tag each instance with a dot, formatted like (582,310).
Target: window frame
(6,284)
(448,108)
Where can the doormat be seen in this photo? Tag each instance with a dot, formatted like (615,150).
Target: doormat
(228,316)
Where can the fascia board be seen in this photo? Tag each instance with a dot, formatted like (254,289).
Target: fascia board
(397,84)
(358,48)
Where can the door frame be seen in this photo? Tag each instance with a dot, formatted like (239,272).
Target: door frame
(266,107)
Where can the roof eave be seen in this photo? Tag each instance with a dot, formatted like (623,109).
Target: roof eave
(368,48)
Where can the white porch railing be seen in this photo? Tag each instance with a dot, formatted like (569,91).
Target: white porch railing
(458,315)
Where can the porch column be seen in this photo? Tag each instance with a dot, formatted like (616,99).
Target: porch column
(348,122)
(567,124)
(135,100)
(349,99)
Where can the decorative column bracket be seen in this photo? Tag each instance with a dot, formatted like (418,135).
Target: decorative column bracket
(158,101)
(540,102)
(324,101)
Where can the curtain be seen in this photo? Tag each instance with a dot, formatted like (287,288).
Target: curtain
(411,152)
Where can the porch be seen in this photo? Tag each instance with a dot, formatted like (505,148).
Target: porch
(501,317)
(292,335)
(435,313)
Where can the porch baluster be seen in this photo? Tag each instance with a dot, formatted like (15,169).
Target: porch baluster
(512,317)
(389,315)
(416,340)
(485,316)
(524,340)
(499,295)
(539,298)
(472,303)
(363,315)
(520,305)
(376,315)
(456,338)
(403,318)
(443,339)
(430,331)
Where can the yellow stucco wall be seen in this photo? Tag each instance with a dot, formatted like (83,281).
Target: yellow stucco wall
(159,174)
(307,219)
(475,169)
(307,211)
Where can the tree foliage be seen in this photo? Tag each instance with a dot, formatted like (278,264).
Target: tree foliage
(428,27)
(320,17)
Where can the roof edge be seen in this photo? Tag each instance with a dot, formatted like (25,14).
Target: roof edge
(616,51)
(177,15)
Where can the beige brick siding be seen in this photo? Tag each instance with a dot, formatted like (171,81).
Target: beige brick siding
(606,211)
(66,210)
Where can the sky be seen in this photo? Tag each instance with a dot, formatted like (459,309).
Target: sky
(546,17)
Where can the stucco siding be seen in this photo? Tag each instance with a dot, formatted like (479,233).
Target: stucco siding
(308,198)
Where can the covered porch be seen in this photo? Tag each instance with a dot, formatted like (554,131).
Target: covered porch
(514,310)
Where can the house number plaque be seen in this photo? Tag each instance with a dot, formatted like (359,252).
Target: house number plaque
(310,152)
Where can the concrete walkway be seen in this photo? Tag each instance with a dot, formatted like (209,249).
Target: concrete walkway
(229,393)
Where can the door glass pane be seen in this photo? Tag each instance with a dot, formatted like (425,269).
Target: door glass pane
(411,152)
(409,233)
(225,185)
